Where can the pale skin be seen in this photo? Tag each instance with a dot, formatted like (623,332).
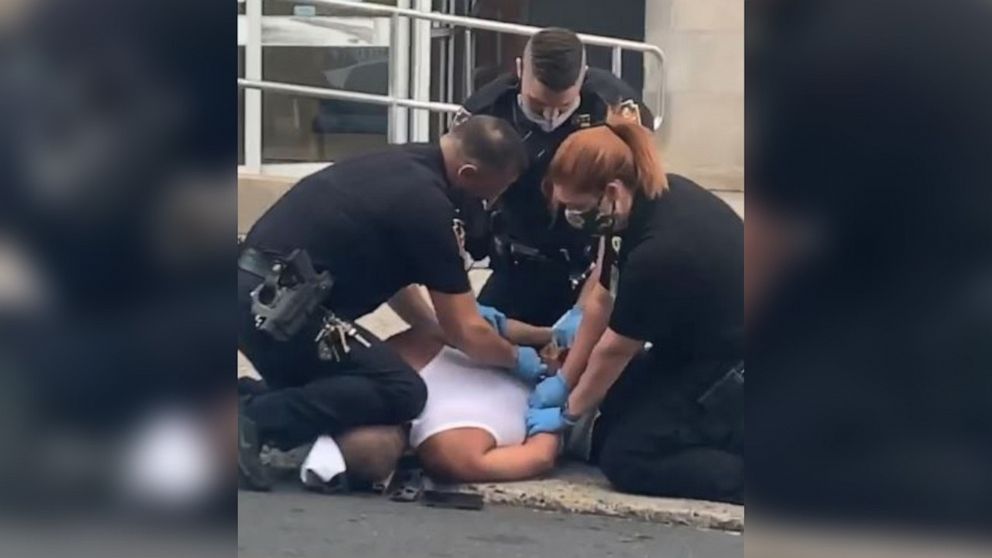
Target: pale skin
(411,305)
(455,320)
(471,454)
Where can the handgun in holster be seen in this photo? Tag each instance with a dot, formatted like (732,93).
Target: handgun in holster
(505,251)
(290,294)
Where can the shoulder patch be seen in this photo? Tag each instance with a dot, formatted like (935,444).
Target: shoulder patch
(582,120)
(630,110)
(617,242)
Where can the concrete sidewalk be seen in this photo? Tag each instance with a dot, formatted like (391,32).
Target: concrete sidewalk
(574,487)
(582,489)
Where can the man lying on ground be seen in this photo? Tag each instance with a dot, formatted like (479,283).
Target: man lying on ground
(472,428)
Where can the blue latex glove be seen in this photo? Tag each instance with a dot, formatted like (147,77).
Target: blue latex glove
(495,318)
(546,420)
(564,330)
(529,366)
(551,392)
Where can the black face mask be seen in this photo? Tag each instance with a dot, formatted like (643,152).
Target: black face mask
(593,221)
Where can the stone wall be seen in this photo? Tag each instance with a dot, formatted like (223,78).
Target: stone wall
(703,137)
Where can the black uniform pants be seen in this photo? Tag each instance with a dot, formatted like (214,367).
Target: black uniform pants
(651,439)
(308,397)
(530,292)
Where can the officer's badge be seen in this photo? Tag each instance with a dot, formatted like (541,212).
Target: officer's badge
(582,120)
(461,116)
(630,110)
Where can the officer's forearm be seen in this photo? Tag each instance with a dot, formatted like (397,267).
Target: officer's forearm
(605,366)
(590,289)
(520,333)
(478,340)
(412,307)
(597,307)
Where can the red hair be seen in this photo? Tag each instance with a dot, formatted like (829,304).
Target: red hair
(621,149)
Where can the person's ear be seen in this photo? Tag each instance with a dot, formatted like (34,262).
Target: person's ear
(468,171)
(520,68)
(614,190)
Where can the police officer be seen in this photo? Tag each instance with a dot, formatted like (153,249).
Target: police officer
(661,339)
(537,260)
(376,226)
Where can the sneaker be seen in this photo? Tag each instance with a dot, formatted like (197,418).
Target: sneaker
(252,473)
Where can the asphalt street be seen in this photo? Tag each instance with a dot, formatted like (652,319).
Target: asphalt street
(292,523)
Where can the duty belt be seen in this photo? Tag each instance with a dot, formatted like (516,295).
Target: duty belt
(511,251)
(508,248)
(290,295)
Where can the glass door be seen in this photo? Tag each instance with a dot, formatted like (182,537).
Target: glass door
(319,46)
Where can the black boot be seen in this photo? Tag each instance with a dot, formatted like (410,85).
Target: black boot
(252,473)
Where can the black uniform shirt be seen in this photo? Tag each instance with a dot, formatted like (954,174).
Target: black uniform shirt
(523,209)
(378,223)
(681,275)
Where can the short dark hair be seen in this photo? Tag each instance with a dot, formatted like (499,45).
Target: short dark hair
(556,56)
(491,143)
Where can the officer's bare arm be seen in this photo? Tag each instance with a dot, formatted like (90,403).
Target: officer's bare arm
(597,305)
(596,310)
(467,331)
(609,358)
(520,333)
(411,306)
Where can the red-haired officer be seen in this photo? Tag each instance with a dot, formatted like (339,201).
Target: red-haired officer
(660,343)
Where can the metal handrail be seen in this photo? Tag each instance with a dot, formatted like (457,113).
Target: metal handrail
(618,45)
(344,95)
(398,95)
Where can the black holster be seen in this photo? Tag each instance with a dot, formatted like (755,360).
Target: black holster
(290,294)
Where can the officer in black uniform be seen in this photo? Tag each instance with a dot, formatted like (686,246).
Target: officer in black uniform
(339,244)
(661,339)
(538,261)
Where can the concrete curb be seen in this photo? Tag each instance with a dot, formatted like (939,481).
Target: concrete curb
(581,489)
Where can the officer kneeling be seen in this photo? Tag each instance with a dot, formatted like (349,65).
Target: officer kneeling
(660,340)
(538,261)
(335,247)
